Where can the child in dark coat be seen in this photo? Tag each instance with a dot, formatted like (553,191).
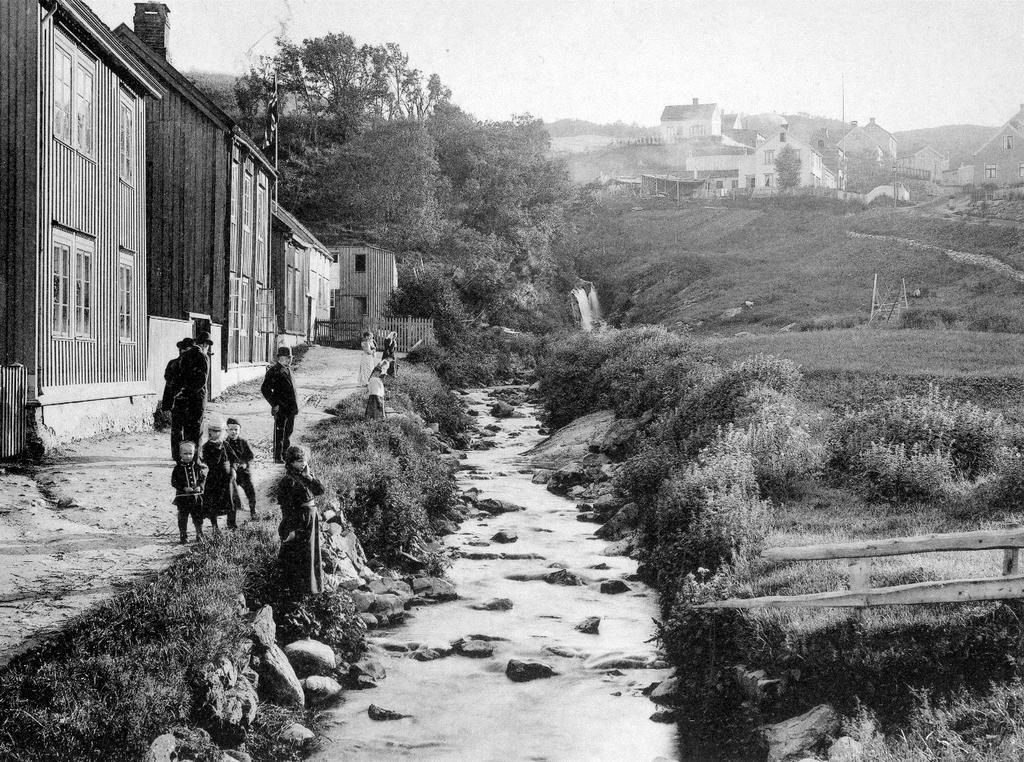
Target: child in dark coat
(188,478)
(241,456)
(220,479)
(300,523)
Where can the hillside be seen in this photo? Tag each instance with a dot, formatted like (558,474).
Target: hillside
(960,140)
(693,266)
(220,87)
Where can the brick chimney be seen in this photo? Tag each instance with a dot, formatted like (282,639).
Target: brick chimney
(853,123)
(871,119)
(152,27)
(696,101)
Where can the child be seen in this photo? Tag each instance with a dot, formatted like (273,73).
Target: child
(241,457)
(187,478)
(220,482)
(300,523)
(375,388)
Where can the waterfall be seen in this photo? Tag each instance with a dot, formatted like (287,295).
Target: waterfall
(586,305)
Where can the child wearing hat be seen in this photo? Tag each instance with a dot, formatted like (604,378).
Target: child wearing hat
(299,530)
(188,478)
(220,479)
(241,456)
(279,390)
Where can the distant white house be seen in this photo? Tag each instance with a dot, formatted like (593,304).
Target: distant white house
(696,120)
(758,169)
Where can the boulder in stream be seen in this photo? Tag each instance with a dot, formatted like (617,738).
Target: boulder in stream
(614,587)
(566,478)
(310,657)
(320,690)
(434,589)
(474,649)
(369,667)
(506,536)
(278,680)
(524,671)
(542,475)
(497,507)
(379,714)
(665,691)
(562,577)
(495,604)
(502,409)
(297,735)
(590,625)
(664,715)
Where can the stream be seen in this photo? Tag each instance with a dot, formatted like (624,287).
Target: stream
(466,708)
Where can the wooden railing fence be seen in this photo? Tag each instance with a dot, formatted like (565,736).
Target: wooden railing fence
(1009,585)
(410,332)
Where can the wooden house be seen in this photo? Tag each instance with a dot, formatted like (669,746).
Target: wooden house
(1000,161)
(693,121)
(364,278)
(72,232)
(301,272)
(210,190)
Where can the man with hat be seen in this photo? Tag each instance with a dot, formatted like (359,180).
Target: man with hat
(279,390)
(172,385)
(190,403)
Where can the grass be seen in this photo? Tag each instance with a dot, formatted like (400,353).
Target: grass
(118,677)
(685,266)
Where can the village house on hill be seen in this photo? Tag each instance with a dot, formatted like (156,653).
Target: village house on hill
(1000,161)
(757,170)
(922,162)
(209,189)
(73,229)
(696,120)
(870,137)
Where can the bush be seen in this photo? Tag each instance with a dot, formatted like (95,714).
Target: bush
(930,318)
(782,448)
(891,472)
(423,392)
(481,357)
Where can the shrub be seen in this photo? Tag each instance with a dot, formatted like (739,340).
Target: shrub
(422,391)
(480,357)
(891,472)
(782,449)
(929,318)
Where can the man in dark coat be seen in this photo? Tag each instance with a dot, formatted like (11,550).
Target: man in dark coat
(172,385)
(279,390)
(190,404)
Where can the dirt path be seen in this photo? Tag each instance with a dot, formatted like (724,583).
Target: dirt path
(80,525)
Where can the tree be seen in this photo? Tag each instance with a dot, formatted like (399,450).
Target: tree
(787,168)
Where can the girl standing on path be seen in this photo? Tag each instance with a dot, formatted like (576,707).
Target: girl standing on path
(369,358)
(300,523)
(375,397)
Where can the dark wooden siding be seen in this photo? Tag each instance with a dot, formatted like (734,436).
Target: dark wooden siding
(19,57)
(85,197)
(187,168)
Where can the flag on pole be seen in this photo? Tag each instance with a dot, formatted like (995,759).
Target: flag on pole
(270,133)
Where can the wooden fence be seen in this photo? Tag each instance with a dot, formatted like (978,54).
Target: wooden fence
(347,333)
(1010,584)
(13,401)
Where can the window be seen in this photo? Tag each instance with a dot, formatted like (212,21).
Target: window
(769,157)
(74,112)
(125,289)
(782,137)
(61,292)
(735,184)
(991,170)
(244,305)
(360,305)
(697,130)
(360,263)
(719,184)
(71,297)
(1008,142)
(236,179)
(126,139)
(245,253)
(768,181)
(261,230)
(1020,170)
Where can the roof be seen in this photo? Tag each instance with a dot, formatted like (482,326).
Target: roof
(299,230)
(677,179)
(80,18)
(174,79)
(679,113)
(919,149)
(746,137)
(1015,123)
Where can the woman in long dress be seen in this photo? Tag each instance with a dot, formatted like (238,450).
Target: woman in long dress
(299,530)
(368,359)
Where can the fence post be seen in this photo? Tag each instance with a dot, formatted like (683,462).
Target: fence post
(859,571)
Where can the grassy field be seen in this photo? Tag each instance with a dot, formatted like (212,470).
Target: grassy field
(685,266)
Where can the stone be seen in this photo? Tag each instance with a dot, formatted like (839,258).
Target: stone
(565,652)
(370,667)
(846,749)
(589,625)
(311,657)
(379,714)
(542,476)
(506,536)
(664,715)
(524,671)
(474,649)
(278,681)
(497,507)
(264,631)
(562,577)
(665,692)
(234,755)
(163,749)
(502,410)
(434,589)
(370,620)
(614,587)
(606,506)
(495,604)
(623,547)
(566,478)
(362,600)
(600,567)
(297,735)
(620,437)
(320,690)
(588,517)
(622,523)
(389,605)
(790,737)
(427,654)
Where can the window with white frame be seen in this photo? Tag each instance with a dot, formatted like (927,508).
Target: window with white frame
(125,297)
(698,130)
(126,139)
(72,285)
(74,96)
(991,171)
(768,181)
(1020,170)
(245,253)
(1008,142)
(261,229)
(769,157)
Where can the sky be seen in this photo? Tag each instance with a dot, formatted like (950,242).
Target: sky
(909,63)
